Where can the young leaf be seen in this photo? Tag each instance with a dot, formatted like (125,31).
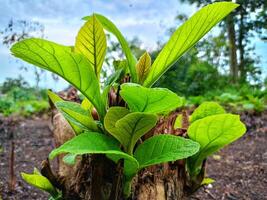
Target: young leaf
(178,121)
(149,100)
(113,115)
(36,171)
(206,109)
(53,97)
(164,148)
(207,181)
(91,42)
(213,133)
(143,67)
(39,182)
(93,143)
(129,128)
(187,36)
(109,26)
(59,59)
(86,104)
(76,115)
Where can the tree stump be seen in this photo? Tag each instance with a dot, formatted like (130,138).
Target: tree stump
(94,177)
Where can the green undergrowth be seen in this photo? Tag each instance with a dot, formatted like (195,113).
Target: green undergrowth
(235,99)
(23,101)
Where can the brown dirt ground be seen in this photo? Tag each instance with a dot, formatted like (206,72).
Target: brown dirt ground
(240,170)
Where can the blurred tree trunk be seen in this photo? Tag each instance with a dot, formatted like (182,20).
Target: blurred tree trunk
(241,46)
(232,48)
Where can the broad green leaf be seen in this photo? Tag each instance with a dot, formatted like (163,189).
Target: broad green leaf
(91,42)
(149,100)
(164,148)
(130,127)
(143,67)
(59,59)
(76,115)
(109,26)
(206,109)
(186,36)
(39,182)
(159,149)
(213,133)
(94,143)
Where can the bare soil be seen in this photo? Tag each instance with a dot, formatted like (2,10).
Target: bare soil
(240,170)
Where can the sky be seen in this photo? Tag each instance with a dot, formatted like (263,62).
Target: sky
(147,19)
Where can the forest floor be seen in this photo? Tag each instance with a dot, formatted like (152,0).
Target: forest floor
(240,170)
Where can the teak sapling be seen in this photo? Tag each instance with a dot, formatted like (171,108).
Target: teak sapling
(127,107)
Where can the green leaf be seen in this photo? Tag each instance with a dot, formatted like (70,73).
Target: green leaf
(109,26)
(96,143)
(86,104)
(113,115)
(213,133)
(58,197)
(36,171)
(59,59)
(186,36)
(53,97)
(121,64)
(105,94)
(39,182)
(128,128)
(178,121)
(206,109)
(207,181)
(76,125)
(143,67)
(159,149)
(164,148)
(132,127)
(149,100)
(76,115)
(70,159)
(91,42)
(93,143)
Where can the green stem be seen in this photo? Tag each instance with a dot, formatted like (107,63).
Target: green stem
(127,188)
